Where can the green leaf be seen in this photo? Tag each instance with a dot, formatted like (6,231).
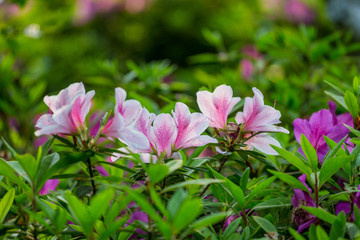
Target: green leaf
(320,213)
(187,213)
(80,212)
(28,163)
(143,203)
(321,234)
(334,148)
(208,220)
(351,103)
(157,172)
(158,202)
(259,187)
(100,203)
(5,203)
(174,165)
(338,227)
(129,230)
(290,180)
(244,179)
(265,224)
(356,85)
(234,190)
(190,183)
(45,169)
(294,160)
(339,99)
(231,228)
(12,151)
(330,167)
(310,152)
(296,235)
(175,202)
(9,172)
(273,203)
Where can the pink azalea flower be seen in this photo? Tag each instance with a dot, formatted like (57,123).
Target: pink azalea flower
(217,106)
(68,111)
(247,69)
(167,133)
(259,118)
(298,12)
(190,126)
(122,124)
(50,185)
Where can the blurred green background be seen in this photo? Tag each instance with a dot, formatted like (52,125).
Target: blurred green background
(163,51)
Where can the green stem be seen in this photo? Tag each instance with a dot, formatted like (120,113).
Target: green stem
(219,170)
(91,176)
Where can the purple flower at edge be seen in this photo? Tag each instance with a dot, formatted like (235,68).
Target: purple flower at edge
(301,218)
(323,122)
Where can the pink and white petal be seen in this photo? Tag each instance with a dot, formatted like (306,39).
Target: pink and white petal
(181,115)
(130,111)
(199,141)
(206,105)
(221,98)
(258,98)
(163,133)
(240,118)
(143,123)
(63,118)
(232,103)
(120,96)
(262,143)
(134,139)
(148,158)
(114,126)
(86,104)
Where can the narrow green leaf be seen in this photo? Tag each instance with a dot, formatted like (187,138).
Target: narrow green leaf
(7,171)
(356,85)
(187,213)
(338,227)
(233,189)
(28,163)
(158,202)
(260,187)
(129,230)
(244,179)
(190,183)
(320,213)
(290,180)
(5,203)
(321,234)
(339,99)
(296,235)
(294,160)
(265,224)
(208,220)
(351,103)
(273,203)
(331,166)
(310,152)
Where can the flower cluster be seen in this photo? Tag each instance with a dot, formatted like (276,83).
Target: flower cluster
(160,136)
(252,124)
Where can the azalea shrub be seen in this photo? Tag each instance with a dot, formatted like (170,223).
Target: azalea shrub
(139,119)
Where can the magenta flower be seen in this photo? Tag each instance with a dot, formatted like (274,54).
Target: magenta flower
(323,122)
(258,119)
(298,12)
(301,218)
(68,111)
(346,207)
(247,69)
(217,106)
(122,124)
(50,185)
